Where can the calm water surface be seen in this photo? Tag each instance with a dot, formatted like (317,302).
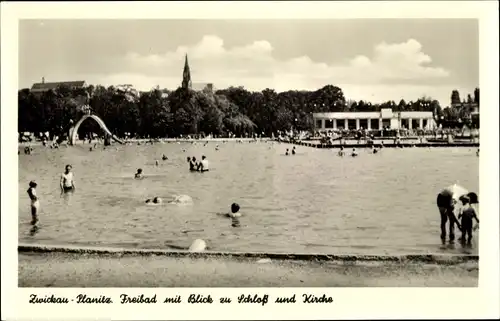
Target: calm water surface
(313,202)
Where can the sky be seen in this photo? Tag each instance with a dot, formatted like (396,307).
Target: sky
(370,59)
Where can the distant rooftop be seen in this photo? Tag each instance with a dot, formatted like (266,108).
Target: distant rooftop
(46,86)
(200,86)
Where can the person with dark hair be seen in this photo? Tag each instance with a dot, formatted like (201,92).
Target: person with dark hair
(446,206)
(67,182)
(233,215)
(192,164)
(35,203)
(467,213)
(203,164)
(139,175)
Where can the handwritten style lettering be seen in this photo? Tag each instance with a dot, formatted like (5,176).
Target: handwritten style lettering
(83,298)
(47,299)
(311,298)
(225,300)
(255,299)
(177,299)
(198,298)
(285,300)
(138,299)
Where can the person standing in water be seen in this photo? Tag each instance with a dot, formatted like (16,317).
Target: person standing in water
(67,182)
(35,203)
(467,214)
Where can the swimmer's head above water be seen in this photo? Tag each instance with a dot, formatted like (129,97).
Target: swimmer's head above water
(235,208)
(156,200)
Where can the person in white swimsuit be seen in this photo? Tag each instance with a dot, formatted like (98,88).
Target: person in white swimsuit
(35,203)
(67,180)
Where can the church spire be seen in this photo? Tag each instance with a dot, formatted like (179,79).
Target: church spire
(186,76)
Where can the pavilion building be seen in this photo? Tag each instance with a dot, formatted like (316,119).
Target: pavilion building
(375,120)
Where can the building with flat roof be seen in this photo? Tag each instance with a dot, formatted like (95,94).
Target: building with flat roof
(374,120)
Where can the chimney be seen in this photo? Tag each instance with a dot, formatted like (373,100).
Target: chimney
(43,80)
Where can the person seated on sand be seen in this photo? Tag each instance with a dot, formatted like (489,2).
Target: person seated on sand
(467,213)
(293,150)
(35,203)
(155,200)
(164,157)
(286,153)
(203,164)
(354,153)
(139,174)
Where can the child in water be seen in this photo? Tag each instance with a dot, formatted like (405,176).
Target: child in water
(35,203)
(341,151)
(286,153)
(467,214)
(233,215)
(293,150)
(354,153)
(138,175)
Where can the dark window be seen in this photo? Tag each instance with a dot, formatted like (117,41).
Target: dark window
(386,122)
(351,124)
(374,123)
(329,123)
(319,123)
(363,123)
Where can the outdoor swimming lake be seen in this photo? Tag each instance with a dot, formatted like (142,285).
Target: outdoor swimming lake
(312,202)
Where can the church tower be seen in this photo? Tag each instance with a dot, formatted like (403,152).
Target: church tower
(186,76)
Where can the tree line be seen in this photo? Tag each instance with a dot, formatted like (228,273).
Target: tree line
(164,113)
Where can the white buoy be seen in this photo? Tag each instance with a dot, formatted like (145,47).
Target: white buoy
(198,245)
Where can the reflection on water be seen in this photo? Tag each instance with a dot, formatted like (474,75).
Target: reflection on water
(315,203)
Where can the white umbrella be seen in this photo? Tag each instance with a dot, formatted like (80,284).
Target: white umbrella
(456,191)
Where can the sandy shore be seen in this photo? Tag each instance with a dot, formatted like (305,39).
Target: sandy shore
(44,268)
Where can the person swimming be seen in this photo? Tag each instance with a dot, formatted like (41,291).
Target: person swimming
(375,150)
(234,215)
(155,200)
(138,175)
(157,163)
(217,147)
(293,150)
(203,164)
(35,203)
(67,181)
(164,157)
(354,153)
(286,153)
